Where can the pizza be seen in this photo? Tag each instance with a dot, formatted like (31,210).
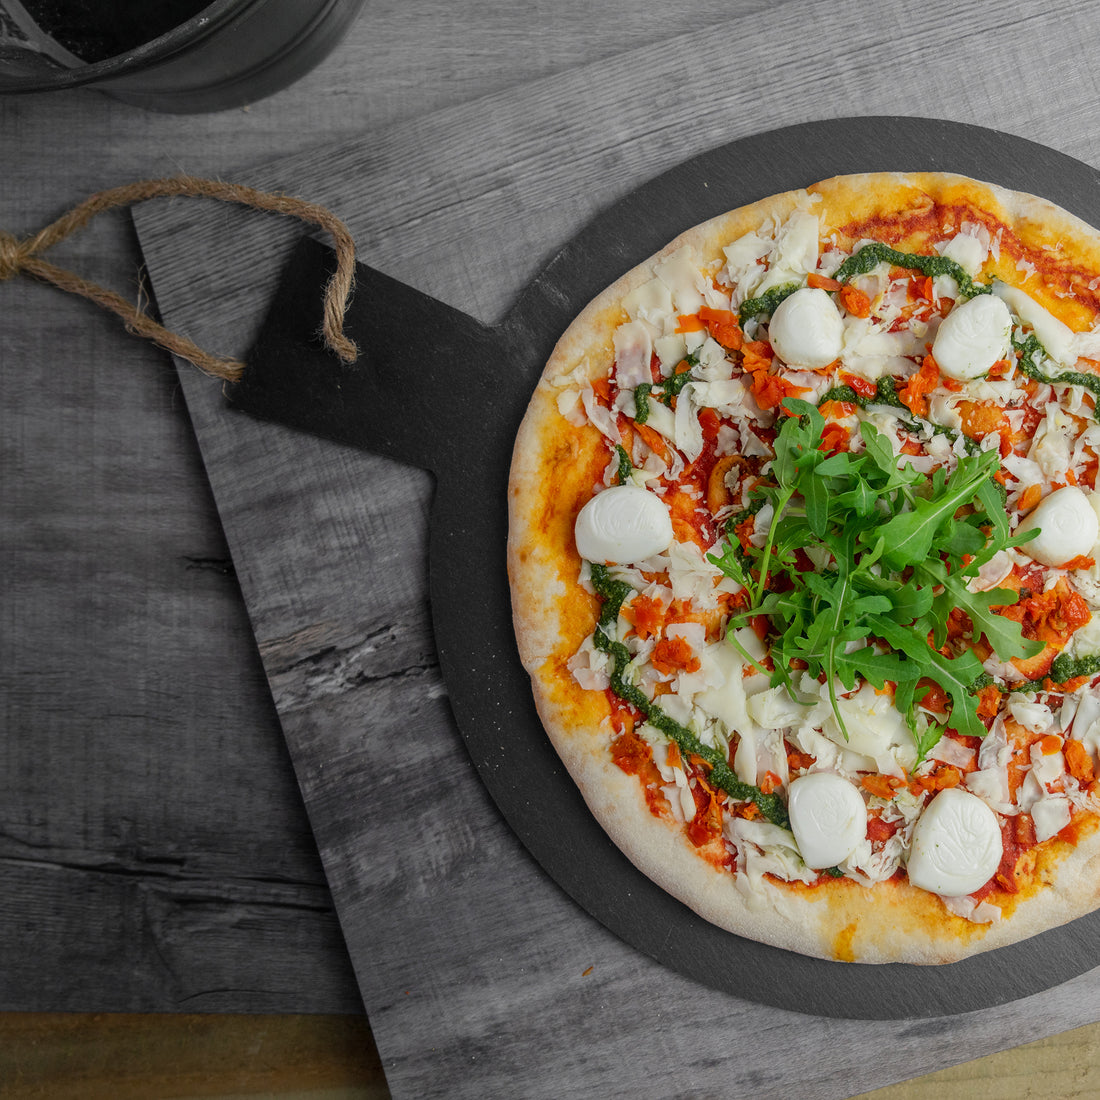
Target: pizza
(803,524)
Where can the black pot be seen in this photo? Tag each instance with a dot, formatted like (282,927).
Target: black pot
(232,53)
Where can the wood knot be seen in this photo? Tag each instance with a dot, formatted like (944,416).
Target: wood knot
(13,255)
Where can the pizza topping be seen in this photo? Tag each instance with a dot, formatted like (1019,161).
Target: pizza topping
(765,268)
(806,329)
(973,336)
(1055,336)
(956,845)
(658,718)
(967,248)
(873,253)
(633,354)
(623,524)
(892,570)
(849,572)
(828,818)
(1067,526)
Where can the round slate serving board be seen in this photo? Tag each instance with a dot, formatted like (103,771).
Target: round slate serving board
(439,390)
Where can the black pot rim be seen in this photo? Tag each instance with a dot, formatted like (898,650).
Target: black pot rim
(148,54)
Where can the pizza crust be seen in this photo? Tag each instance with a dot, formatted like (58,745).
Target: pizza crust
(554,467)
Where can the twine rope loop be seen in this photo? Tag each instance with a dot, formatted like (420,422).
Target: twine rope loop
(11,256)
(23,257)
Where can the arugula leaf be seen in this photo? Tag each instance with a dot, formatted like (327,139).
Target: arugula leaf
(860,498)
(953,674)
(879,450)
(894,550)
(907,601)
(730,564)
(910,535)
(1004,635)
(927,735)
(817,504)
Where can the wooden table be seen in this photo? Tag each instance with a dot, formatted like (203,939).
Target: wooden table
(156,853)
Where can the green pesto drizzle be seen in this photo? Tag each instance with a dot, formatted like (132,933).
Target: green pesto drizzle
(871,255)
(1066,668)
(886,394)
(766,303)
(1032,352)
(738,518)
(625,465)
(1062,669)
(613,593)
(668,389)
(672,386)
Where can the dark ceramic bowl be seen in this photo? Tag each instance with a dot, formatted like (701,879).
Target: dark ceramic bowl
(232,53)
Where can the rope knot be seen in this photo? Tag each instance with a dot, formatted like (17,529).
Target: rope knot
(13,255)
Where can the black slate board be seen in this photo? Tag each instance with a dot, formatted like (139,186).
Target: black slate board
(470,384)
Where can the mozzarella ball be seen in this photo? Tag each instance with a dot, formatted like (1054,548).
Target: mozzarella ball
(622,525)
(828,818)
(972,337)
(956,847)
(1068,526)
(806,329)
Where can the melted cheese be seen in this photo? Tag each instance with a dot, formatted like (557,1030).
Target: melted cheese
(1068,527)
(956,845)
(828,818)
(680,273)
(806,329)
(973,336)
(795,252)
(623,524)
(1055,336)
(967,251)
(633,351)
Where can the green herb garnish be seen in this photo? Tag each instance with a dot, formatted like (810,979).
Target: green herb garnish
(765,303)
(1032,353)
(613,592)
(671,386)
(1062,669)
(875,253)
(894,550)
(733,560)
(625,467)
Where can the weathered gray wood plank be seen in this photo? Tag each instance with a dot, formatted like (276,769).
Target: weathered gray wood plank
(152,837)
(480,988)
(138,743)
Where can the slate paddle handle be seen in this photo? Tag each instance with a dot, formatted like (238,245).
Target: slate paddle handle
(424,369)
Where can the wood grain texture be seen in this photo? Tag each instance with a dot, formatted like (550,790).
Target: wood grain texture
(150,819)
(1066,1066)
(56,1056)
(484,988)
(89,672)
(51,1056)
(141,762)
